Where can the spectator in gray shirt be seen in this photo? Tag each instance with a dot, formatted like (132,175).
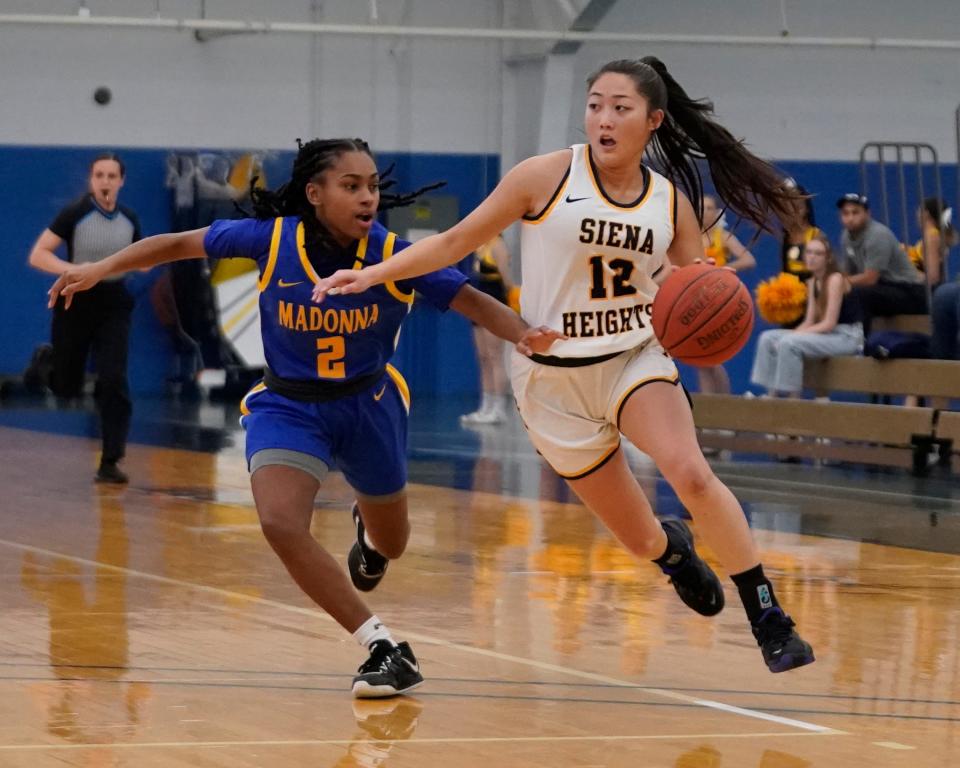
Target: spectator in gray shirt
(885,281)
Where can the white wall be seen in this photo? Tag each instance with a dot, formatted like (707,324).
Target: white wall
(467,96)
(252,90)
(804,103)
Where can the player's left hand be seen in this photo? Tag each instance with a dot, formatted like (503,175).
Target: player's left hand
(536,341)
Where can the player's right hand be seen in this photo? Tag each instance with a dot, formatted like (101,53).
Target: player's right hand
(81,277)
(343,281)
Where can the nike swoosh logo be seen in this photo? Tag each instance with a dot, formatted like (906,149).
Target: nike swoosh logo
(414,667)
(282,284)
(380,393)
(576,199)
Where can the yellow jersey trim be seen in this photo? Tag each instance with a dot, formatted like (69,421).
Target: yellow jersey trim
(361,253)
(401,385)
(392,289)
(675,379)
(539,218)
(302,253)
(264,280)
(594,466)
(648,190)
(244,408)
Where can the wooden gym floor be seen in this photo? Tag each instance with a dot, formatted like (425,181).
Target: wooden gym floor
(152,625)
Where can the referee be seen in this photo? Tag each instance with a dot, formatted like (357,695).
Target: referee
(93,227)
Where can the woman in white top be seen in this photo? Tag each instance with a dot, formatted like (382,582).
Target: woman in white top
(600,230)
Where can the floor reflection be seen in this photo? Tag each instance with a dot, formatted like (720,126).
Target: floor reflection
(382,724)
(89,635)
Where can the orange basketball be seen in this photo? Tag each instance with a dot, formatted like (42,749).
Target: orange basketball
(703,315)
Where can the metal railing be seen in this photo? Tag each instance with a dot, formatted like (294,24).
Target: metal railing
(904,159)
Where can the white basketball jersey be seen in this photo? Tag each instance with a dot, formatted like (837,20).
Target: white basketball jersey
(588,262)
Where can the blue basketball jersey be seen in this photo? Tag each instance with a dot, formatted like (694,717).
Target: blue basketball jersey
(344,337)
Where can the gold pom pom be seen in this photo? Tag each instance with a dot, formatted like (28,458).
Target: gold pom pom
(781,299)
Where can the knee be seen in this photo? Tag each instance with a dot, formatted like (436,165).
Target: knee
(280,530)
(394,546)
(690,477)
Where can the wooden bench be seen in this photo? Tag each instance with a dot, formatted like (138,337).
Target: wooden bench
(873,434)
(924,378)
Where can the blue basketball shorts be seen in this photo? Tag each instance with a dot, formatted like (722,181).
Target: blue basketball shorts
(363,435)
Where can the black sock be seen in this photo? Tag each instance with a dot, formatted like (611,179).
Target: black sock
(756,592)
(676,555)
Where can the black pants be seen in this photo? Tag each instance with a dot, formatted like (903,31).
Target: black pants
(887,299)
(98,320)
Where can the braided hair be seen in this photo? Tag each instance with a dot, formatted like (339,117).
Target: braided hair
(313,158)
(751,187)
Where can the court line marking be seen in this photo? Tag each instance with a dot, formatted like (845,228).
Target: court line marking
(315,613)
(447,740)
(270,675)
(892,745)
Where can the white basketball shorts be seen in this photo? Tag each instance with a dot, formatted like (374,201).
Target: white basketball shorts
(572,414)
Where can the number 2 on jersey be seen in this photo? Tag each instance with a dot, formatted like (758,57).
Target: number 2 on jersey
(622,269)
(330,353)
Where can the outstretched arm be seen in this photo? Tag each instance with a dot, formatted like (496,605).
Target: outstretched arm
(502,321)
(159,249)
(512,198)
(43,256)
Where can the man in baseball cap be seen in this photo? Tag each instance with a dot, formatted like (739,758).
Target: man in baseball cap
(855,198)
(884,281)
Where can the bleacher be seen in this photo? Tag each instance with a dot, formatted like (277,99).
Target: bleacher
(822,429)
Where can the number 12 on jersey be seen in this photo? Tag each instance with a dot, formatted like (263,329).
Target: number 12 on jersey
(621,268)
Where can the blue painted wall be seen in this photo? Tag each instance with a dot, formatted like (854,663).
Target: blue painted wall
(35,182)
(436,351)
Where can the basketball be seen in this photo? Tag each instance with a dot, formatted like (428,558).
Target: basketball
(703,315)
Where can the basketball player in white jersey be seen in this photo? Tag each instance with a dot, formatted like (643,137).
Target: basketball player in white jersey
(600,230)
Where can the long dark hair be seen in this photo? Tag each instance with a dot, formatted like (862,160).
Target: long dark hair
(820,299)
(313,158)
(752,187)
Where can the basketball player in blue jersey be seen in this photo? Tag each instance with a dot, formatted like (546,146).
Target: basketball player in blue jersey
(599,228)
(329,397)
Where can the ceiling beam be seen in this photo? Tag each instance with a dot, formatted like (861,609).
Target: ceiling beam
(586,21)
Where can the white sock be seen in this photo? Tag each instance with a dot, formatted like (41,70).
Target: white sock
(366,540)
(487,403)
(372,630)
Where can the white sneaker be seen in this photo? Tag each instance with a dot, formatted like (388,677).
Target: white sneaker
(482,417)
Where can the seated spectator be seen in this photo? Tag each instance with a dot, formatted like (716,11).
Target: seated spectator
(884,280)
(928,253)
(830,327)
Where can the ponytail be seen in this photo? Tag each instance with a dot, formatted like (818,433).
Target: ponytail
(751,187)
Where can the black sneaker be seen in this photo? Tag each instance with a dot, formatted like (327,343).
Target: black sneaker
(366,565)
(390,670)
(695,582)
(783,649)
(109,472)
